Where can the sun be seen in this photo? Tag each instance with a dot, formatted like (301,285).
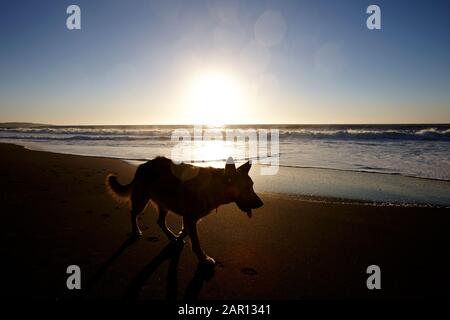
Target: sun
(215,98)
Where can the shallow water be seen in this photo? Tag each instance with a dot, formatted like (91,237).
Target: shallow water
(368,162)
(361,186)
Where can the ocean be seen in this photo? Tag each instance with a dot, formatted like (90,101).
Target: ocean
(416,151)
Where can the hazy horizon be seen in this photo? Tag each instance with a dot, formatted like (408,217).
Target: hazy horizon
(222,125)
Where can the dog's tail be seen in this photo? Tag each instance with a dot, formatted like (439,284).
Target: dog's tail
(116,190)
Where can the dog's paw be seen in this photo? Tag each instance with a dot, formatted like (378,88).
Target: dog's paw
(208,261)
(179,241)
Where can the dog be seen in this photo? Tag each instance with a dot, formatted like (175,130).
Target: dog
(189,191)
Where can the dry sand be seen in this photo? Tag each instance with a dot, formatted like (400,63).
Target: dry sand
(55,213)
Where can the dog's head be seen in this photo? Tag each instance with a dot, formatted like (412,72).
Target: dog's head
(240,187)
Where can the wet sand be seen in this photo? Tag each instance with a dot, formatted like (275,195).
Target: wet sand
(56,213)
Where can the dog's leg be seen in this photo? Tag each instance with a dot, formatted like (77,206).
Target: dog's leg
(162,223)
(139,201)
(135,231)
(182,234)
(201,255)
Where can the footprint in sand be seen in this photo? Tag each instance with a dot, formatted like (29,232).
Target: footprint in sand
(249,271)
(153,239)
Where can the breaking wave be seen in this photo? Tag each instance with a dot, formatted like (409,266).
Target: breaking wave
(379,133)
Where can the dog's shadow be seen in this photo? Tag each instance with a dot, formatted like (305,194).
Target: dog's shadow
(170,252)
(102,270)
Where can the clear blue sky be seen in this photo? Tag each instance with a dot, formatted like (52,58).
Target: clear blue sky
(134,62)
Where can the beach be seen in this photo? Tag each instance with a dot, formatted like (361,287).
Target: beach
(56,213)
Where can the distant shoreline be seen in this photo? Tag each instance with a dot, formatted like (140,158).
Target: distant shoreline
(32,124)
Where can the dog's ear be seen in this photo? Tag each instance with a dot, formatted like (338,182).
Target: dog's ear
(245,168)
(230,167)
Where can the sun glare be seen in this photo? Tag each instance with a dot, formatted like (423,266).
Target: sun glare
(215,99)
